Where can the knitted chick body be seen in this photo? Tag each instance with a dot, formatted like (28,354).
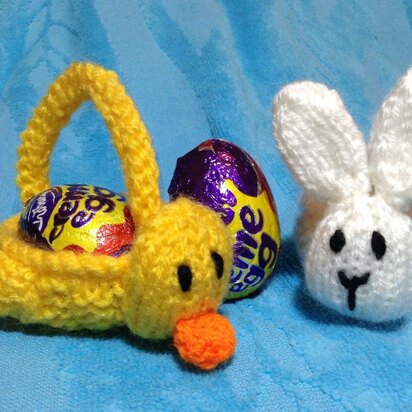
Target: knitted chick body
(140,289)
(177,270)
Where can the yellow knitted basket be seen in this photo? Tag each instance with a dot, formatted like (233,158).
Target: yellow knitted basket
(139,289)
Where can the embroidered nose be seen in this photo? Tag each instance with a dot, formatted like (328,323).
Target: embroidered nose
(352,285)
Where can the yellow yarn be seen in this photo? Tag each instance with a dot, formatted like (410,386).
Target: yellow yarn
(140,289)
(85,81)
(182,233)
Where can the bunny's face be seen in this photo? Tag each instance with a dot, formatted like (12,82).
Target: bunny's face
(359,259)
(181,269)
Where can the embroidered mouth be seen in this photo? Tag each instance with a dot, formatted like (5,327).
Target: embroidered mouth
(352,284)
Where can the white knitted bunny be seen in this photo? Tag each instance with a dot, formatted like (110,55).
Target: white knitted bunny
(356,227)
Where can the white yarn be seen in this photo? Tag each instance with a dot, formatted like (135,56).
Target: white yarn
(317,132)
(390,151)
(362,199)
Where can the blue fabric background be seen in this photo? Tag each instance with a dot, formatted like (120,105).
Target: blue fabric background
(201,69)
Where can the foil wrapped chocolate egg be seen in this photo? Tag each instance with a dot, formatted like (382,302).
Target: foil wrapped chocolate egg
(81,218)
(225,178)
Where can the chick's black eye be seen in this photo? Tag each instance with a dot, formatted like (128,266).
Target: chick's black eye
(378,244)
(185,277)
(337,241)
(219,265)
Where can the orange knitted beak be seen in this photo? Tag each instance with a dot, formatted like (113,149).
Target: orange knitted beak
(205,340)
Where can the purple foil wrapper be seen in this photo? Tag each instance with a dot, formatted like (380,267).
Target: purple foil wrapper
(36,215)
(200,175)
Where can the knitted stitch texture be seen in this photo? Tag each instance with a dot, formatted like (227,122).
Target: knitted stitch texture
(194,338)
(355,227)
(141,289)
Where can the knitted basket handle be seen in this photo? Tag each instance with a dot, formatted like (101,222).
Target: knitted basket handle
(80,82)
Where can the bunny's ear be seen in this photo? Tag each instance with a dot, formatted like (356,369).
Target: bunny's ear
(320,141)
(390,148)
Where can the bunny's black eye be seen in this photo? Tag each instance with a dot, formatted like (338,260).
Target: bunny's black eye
(337,241)
(219,264)
(185,277)
(378,244)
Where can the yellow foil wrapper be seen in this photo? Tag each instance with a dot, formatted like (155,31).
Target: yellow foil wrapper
(81,218)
